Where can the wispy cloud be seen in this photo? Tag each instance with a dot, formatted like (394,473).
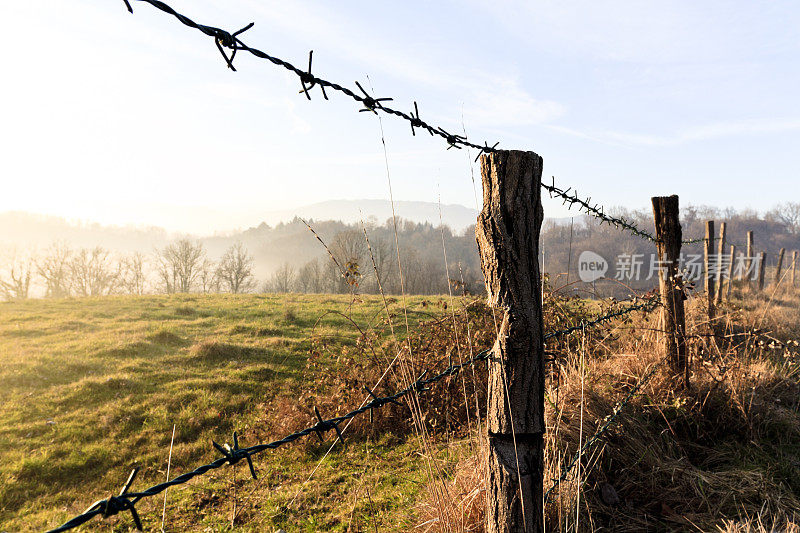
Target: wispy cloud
(695,134)
(497,99)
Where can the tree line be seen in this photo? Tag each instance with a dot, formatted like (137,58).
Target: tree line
(360,258)
(349,261)
(182,266)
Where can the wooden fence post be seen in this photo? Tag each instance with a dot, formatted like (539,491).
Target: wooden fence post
(730,273)
(780,266)
(749,258)
(508,241)
(794,267)
(720,252)
(669,235)
(762,268)
(708,250)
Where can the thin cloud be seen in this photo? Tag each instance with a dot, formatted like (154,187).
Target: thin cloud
(701,133)
(495,100)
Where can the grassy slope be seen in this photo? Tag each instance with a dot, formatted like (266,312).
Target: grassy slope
(92,387)
(113,375)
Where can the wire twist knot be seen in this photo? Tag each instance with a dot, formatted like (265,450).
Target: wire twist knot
(234,453)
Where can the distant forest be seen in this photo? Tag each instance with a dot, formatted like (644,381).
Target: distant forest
(288,257)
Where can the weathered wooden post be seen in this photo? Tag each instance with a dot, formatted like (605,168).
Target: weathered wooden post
(762,268)
(669,235)
(794,267)
(708,250)
(749,258)
(780,266)
(508,241)
(720,252)
(730,273)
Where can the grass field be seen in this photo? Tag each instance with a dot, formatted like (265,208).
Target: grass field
(92,387)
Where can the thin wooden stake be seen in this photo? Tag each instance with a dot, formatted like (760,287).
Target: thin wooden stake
(730,273)
(749,258)
(762,267)
(723,226)
(708,250)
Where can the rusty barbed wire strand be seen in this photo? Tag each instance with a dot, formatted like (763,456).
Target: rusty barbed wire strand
(648,305)
(225,40)
(598,211)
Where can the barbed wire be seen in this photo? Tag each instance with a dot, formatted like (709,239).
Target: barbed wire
(231,455)
(225,40)
(126,501)
(231,41)
(595,210)
(570,197)
(647,305)
(607,423)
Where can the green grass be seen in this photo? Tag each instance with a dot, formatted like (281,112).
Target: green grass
(92,387)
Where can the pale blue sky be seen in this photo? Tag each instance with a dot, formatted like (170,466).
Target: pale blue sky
(134,118)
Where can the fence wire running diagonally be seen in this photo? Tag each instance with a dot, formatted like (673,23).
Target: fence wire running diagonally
(570,198)
(232,41)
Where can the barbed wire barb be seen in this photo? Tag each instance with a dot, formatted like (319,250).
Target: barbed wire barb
(308,81)
(235,454)
(224,39)
(371,104)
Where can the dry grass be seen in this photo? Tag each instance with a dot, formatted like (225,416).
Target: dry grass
(722,456)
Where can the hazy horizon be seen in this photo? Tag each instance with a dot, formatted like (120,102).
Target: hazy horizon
(455,216)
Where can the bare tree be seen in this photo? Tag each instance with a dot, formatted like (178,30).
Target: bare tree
(54,269)
(789,214)
(386,264)
(282,280)
(179,265)
(235,269)
(349,247)
(350,251)
(134,277)
(92,273)
(208,277)
(310,278)
(15,280)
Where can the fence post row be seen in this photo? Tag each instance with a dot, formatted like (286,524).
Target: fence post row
(508,241)
(668,243)
(723,226)
(708,252)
